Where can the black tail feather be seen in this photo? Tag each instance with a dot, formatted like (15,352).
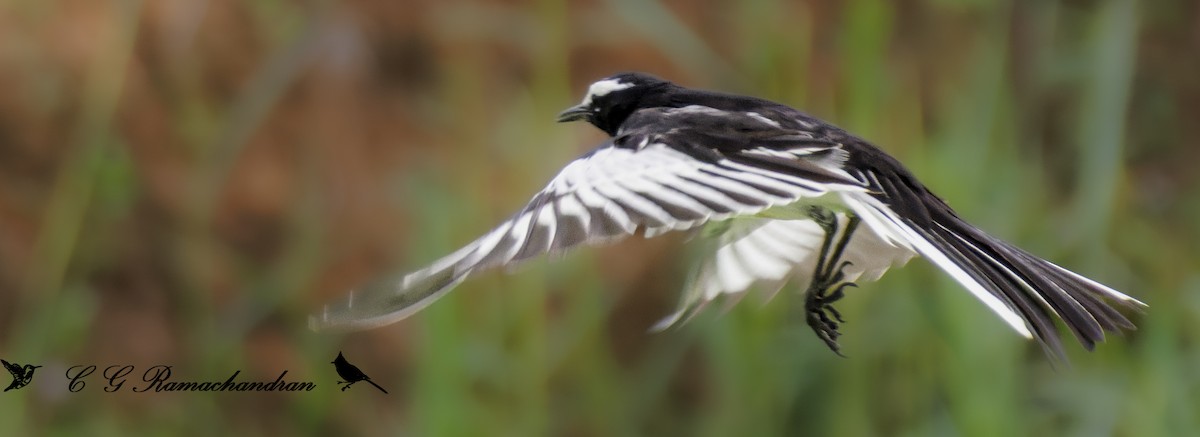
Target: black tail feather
(1037,289)
(1039,320)
(1031,276)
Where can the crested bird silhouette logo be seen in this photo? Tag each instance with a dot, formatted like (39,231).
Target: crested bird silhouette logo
(22,375)
(350,373)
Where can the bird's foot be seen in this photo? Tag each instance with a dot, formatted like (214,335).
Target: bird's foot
(821,316)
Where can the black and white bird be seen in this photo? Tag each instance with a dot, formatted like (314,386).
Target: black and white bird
(22,375)
(780,196)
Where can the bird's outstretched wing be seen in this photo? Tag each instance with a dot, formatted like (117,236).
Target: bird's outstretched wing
(14,369)
(708,165)
(768,253)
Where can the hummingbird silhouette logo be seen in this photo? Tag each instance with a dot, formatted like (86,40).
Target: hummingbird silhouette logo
(350,373)
(22,375)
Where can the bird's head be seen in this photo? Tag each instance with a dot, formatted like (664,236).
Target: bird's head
(611,100)
(339,358)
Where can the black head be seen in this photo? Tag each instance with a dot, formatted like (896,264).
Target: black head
(610,100)
(339,358)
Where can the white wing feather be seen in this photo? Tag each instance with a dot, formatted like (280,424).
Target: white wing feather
(596,199)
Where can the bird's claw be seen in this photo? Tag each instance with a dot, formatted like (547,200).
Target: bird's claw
(822,317)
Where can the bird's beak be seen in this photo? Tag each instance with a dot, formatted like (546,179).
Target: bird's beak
(578,112)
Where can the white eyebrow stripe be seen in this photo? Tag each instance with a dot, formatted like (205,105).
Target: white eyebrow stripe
(603,88)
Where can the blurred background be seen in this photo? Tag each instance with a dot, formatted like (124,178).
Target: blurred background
(183,181)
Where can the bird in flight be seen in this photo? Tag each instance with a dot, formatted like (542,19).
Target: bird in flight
(777,195)
(22,375)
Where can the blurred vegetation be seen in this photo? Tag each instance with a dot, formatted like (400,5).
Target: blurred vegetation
(182,182)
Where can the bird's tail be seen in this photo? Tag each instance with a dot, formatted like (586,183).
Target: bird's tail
(1037,289)
(377,386)
(1026,291)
